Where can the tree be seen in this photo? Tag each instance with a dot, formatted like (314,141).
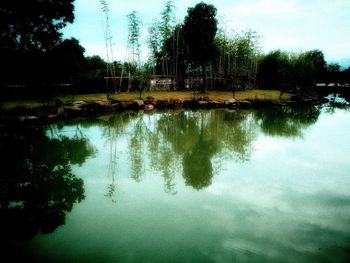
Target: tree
(236,64)
(159,33)
(318,64)
(33,24)
(275,71)
(27,29)
(66,61)
(134,24)
(174,50)
(333,73)
(200,26)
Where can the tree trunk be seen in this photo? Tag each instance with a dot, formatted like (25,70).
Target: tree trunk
(204,84)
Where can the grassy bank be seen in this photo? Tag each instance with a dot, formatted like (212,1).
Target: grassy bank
(182,95)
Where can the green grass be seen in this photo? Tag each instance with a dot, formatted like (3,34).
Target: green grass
(186,95)
(182,95)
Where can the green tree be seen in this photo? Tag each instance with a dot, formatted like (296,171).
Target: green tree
(333,73)
(275,71)
(237,62)
(134,27)
(33,24)
(93,74)
(27,29)
(159,33)
(308,68)
(174,50)
(200,27)
(65,63)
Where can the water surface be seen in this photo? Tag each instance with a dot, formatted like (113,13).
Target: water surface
(179,186)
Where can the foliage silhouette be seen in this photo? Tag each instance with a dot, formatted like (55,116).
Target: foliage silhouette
(197,166)
(285,121)
(37,185)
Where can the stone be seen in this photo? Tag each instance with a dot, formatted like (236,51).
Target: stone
(149,107)
(138,104)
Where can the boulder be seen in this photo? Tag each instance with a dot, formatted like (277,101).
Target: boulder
(214,104)
(149,107)
(163,104)
(177,103)
(100,106)
(202,103)
(244,104)
(138,104)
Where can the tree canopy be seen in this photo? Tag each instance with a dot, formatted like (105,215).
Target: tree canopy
(33,24)
(200,26)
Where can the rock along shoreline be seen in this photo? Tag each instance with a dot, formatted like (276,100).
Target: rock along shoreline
(85,108)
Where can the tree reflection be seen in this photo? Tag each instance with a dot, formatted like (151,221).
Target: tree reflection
(285,121)
(37,184)
(195,144)
(115,127)
(197,166)
(196,137)
(234,132)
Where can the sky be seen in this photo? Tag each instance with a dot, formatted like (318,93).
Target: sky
(290,25)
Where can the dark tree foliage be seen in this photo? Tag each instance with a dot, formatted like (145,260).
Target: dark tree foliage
(333,73)
(345,75)
(318,64)
(33,24)
(174,50)
(274,71)
(66,61)
(199,29)
(294,72)
(38,187)
(28,29)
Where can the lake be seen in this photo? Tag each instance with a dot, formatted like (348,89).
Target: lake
(267,185)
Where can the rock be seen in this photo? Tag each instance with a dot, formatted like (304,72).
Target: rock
(151,100)
(231,101)
(214,104)
(100,106)
(296,98)
(177,103)
(28,118)
(72,111)
(162,104)
(262,103)
(149,107)
(104,103)
(138,104)
(244,104)
(192,104)
(202,103)
(71,108)
(79,102)
(61,112)
(121,106)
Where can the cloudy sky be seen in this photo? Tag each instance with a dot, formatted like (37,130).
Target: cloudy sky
(291,25)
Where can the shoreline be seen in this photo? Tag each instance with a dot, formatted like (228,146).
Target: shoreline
(87,108)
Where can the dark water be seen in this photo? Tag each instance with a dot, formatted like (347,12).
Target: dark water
(208,186)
